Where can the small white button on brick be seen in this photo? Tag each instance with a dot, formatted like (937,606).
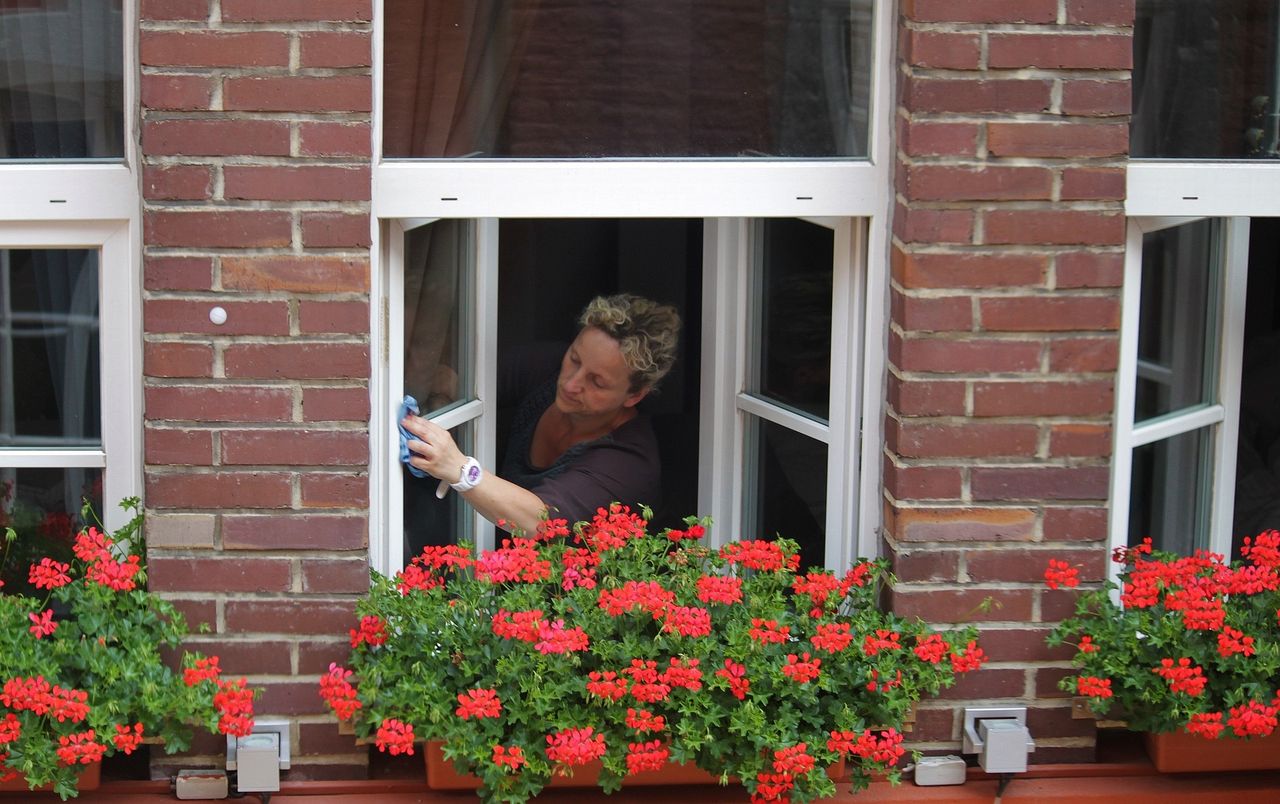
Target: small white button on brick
(218,316)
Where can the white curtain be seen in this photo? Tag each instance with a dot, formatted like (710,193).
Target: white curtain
(61,71)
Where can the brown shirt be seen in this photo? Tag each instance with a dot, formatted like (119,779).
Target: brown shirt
(622,466)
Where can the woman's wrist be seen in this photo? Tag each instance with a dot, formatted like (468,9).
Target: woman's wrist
(469,476)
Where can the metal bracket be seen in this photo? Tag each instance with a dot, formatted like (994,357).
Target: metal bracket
(264,726)
(972,714)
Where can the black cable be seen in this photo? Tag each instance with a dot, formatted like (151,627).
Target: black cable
(1005,778)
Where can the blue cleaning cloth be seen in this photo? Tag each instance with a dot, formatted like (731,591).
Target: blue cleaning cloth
(408,406)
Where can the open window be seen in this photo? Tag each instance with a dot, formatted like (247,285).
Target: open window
(55,396)
(1198,433)
(70,334)
(756,423)
(531,156)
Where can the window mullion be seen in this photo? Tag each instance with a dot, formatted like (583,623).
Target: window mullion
(846,364)
(484,304)
(1231,360)
(721,468)
(796,422)
(1126,390)
(1175,424)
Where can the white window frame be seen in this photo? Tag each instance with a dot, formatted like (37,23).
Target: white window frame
(855,194)
(76,204)
(1222,413)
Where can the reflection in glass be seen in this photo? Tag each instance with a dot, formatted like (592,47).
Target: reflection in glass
(61,79)
(662,78)
(43,507)
(791,334)
(1177,319)
(432,521)
(49,371)
(1170,492)
(1206,79)
(788,497)
(437,273)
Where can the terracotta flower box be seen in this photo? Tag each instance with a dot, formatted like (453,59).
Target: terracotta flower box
(441,774)
(89,779)
(1179,752)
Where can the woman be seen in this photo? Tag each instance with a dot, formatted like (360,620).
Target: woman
(578,442)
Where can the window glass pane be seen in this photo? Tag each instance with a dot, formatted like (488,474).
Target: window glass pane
(437,276)
(1205,79)
(432,521)
(1178,320)
(791,333)
(1170,491)
(49,386)
(61,79)
(43,507)
(661,78)
(789,494)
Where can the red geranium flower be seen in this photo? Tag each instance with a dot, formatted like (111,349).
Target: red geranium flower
(575,746)
(643,720)
(49,574)
(478,703)
(736,675)
(128,739)
(767,631)
(395,737)
(1093,687)
(80,748)
(725,589)
(1060,573)
(1206,724)
(650,756)
(832,637)
(373,631)
(1182,677)
(512,757)
(794,760)
(606,685)
(339,693)
(932,649)
(801,669)
(205,670)
(42,624)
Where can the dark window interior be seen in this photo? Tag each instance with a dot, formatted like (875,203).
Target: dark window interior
(1257,498)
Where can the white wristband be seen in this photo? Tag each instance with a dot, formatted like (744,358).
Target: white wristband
(471,476)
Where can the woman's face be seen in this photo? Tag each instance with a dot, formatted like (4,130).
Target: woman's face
(594,379)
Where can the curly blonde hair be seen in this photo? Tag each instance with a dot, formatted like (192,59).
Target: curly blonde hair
(646,331)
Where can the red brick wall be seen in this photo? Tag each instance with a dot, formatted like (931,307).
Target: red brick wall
(1006,269)
(255,151)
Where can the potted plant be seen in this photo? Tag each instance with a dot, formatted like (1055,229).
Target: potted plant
(607,644)
(1186,648)
(81,666)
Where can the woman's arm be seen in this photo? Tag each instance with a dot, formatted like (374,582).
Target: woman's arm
(436,454)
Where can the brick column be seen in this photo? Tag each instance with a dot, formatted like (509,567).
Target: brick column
(1006,270)
(256,147)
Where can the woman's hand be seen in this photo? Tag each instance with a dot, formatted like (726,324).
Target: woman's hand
(434,450)
(435,453)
